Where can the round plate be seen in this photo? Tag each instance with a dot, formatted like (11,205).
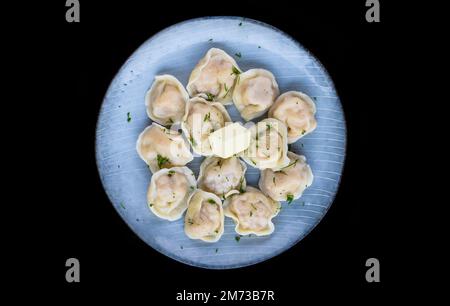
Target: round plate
(176,50)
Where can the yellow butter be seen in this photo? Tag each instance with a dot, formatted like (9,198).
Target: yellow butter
(229,140)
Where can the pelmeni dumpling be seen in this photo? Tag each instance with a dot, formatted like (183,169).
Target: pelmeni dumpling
(169,191)
(162,148)
(214,77)
(166,100)
(200,120)
(252,212)
(204,217)
(296,110)
(221,176)
(268,145)
(288,183)
(255,92)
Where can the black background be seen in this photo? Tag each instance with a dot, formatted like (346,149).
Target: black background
(74,64)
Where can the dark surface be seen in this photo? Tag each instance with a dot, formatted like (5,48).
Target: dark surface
(78,61)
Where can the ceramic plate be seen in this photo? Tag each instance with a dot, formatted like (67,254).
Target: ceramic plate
(176,50)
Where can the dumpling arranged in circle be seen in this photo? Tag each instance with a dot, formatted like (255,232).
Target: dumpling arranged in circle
(166,100)
(200,120)
(252,212)
(204,218)
(288,183)
(268,145)
(213,78)
(221,176)
(162,148)
(169,191)
(255,92)
(296,110)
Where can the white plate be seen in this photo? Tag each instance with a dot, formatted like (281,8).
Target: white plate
(176,50)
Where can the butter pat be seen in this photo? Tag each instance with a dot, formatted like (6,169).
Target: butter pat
(229,140)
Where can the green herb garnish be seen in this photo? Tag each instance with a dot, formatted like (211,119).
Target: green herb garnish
(207,117)
(237,238)
(226,90)
(209,96)
(291,164)
(128,117)
(191,139)
(273,180)
(217,250)
(192,187)
(303,132)
(211,201)
(161,160)
(251,213)
(210,39)
(170,173)
(190,221)
(241,188)
(289,198)
(238,54)
(121,205)
(235,71)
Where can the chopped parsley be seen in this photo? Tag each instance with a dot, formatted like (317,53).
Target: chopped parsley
(122,205)
(207,117)
(190,221)
(170,173)
(150,204)
(170,121)
(240,23)
(217,250)
(161,160)
(238,54)
(211,201)
(273,180)
(128,117)
(303,132)
(192,187)
(209,96)
(237,238)
(268,127)
(253,161)
(210,39)
(251,213)
(289,198)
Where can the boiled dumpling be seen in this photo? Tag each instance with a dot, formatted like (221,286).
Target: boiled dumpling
(288,183)
(214,77)
(255,92)
(220,176)
(162,148)
(166,100)
(200,120)
(169,191)
(296,110)
(268,145)
(252,212)
(204,218)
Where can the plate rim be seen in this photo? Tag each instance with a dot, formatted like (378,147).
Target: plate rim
(342,167)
